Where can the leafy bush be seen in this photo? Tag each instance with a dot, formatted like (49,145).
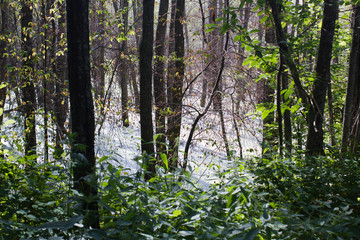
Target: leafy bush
(278,198)
(313,198)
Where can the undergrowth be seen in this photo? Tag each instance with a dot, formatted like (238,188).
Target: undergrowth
(260,198)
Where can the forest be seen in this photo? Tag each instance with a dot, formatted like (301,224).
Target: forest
(174,119)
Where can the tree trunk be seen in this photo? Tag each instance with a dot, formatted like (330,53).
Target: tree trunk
(284,49)
(146,57)
(82,109)
(352,101)
(28,90)
(124,72)
(61,86)
(267,99)
(204,42)
(177,88)
(278,107)
(4,30)
(287,114)
(315,137)
(159,76)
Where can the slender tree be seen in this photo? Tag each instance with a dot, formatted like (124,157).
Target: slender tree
(124,63)
(159,76)
(315,137)
(82,109)
(61,107)
(177,87)
(4,30)
(146,57)
(350,134)
(28,90)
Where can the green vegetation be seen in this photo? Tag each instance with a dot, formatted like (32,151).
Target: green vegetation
(277,198)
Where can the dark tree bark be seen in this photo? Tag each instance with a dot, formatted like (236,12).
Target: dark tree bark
(82,109)
(176,89)
(349,141)
(218,105)
(49,56)
(137,12)
(98,52)
(123,70)
(171,53)
(159,76)
(315,137)
(204,42)
(287,114)
(146,57)
(267,99)
(4,30)
(284,49)
(210,102)
(28,90)
(278,107)
(60,99)
(137,6)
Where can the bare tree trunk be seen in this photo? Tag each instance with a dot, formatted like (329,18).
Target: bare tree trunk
(212,96)
(82,109)
(218,98)
(315,137)
(177,88)
(4,30)
(331,116)
(124,72)
(278,107)
(159,77)
(146,57)
(204,42)
(171,77)
(134,84)
(61,86)
(28,90)
(352,102)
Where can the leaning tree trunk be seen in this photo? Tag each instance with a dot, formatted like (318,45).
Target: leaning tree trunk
(28,90)
(146,56)
(82,109)
(315,137)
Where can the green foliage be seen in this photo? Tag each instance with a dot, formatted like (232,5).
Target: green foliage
(313,198)
(30,195)
(274,198)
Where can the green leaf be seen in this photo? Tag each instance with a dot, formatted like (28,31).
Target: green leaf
(252,234)
(103,158)
(265,113)
(165,160)
(61,225)
(237,38)
(258,53)
(98,234)
(9,122)
(176,213)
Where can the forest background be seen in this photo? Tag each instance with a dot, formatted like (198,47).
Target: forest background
(256,100)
